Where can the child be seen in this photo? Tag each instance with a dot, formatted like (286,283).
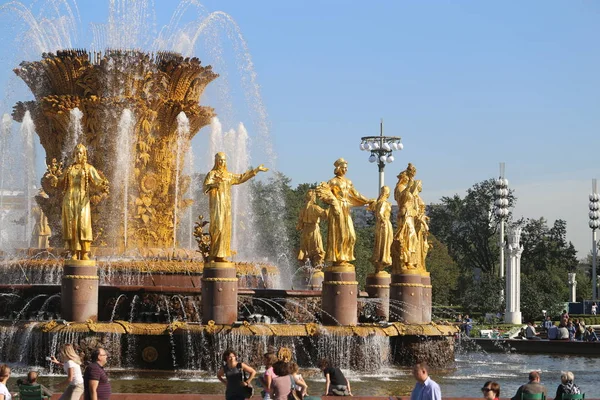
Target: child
(266,380)
(298,378)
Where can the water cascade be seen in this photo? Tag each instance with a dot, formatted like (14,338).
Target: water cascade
(5,130)
(74,134)
(26,133)
(183,131)
(122,173)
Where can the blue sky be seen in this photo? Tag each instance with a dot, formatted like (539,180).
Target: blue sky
(465,84)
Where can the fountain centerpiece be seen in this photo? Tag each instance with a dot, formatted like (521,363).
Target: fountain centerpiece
(155,89)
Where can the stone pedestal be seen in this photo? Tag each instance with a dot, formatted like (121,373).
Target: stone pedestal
(426,311)
(339,296)
(378,287)
(406,292)
(79,291)
(219,293)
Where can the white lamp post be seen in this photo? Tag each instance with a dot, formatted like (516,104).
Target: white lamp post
(594,224)
(501,204)
(381,149)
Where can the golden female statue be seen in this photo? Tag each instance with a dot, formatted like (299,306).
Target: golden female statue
(384,233)
(421,227)
(340,194)
(76,184)
(311,243)
(407,233)
(217,185)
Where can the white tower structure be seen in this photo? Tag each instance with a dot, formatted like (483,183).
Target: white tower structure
(514,249)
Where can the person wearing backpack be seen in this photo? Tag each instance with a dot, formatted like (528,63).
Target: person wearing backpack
(567,386)
(233,375)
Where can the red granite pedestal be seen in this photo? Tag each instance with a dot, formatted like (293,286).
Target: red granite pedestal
(378,287)
(219,293)
(406,292)
(339,296)
(79,291)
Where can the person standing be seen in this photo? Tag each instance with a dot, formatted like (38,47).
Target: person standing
(96,385)
(217,185)
(532,387)
(71,363)
(425,388)
(594,308)
(4,375)
(231,375)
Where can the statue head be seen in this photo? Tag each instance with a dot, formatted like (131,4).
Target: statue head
(411,171)
(384,193)
(80,154)
(341,166)
(311,196)
(220,161)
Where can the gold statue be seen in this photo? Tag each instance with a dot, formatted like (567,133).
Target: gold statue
(217,185)
(340,194)
(76,184)
(384,232)
(41,230)
(311,243)
(421,227)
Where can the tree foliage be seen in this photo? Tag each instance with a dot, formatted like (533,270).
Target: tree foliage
(444,273)
(469,227)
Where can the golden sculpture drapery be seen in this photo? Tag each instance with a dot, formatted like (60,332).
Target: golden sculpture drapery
(384,232)
(410,245)
(76,184)
(311,243)
(217,185)
(340,194)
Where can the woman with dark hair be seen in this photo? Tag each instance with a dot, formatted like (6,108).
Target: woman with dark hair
(491,390)
(231,374)
(336,383)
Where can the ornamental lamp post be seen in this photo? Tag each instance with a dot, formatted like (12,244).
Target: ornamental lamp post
(501,204)
(381,148)
(594,224)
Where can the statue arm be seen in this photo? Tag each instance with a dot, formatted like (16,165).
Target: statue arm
(246,176)
(357,199)
(209,182)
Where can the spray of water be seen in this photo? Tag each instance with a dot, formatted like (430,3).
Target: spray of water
(5,129)
(74,133)
(122,173)
(183,131)
(27,131)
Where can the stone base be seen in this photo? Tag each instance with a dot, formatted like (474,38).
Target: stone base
(436,351)
(378,287)
(406,294)
(426,304)
(339,296)
(79,291)
(219,293)
(513,317)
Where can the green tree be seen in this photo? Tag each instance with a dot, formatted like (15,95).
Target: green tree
(469,227)
(444,273)
(483,295)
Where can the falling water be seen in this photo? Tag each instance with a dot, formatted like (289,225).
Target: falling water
(189,171)
(183,131)
(27,131)
(124,150)
(5,130)
(74,133)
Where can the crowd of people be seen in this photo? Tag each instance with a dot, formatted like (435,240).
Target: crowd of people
(573,329)
(93,384)
(280,380)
